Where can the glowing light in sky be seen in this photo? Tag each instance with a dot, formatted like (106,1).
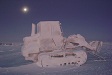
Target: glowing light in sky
(25,9)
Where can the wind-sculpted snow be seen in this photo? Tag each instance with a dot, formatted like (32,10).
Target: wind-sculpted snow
(13,63)
(11,56)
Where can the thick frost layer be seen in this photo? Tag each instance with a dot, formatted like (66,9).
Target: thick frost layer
(49,39)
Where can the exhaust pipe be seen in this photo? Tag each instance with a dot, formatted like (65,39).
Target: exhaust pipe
(33,30)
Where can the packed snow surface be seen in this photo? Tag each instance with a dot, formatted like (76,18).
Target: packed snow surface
(13,63)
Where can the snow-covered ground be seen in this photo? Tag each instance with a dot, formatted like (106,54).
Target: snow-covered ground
(13,63)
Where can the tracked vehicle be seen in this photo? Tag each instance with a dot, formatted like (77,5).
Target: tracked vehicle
(48,48)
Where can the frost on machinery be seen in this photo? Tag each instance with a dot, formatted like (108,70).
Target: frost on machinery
(48,47)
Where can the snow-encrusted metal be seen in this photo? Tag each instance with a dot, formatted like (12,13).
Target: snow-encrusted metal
(48,48)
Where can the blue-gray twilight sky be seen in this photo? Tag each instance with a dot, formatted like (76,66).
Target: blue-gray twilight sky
(90,18)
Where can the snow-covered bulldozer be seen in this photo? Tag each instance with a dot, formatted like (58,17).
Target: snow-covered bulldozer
(48,48)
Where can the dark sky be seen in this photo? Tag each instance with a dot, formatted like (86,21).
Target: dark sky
(90,18)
